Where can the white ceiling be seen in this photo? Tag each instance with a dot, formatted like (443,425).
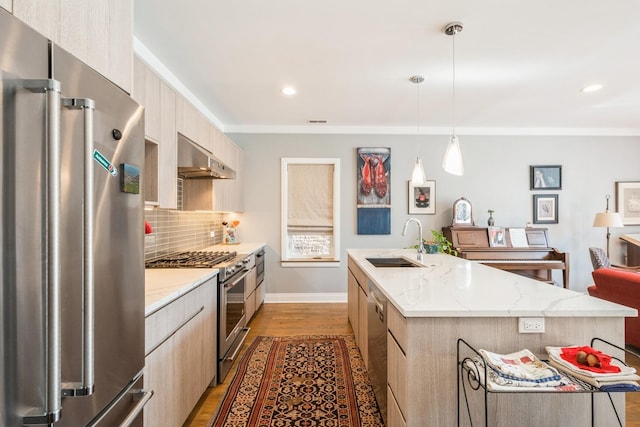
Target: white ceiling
(520,65)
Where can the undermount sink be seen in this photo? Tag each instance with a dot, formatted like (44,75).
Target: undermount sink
(392,262)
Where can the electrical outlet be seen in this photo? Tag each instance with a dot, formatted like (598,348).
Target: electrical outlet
(212,234)
(531,325)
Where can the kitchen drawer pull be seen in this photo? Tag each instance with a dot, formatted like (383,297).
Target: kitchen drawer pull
(173,332)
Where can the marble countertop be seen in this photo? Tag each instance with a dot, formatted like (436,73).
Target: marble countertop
(448,286)
(163,285)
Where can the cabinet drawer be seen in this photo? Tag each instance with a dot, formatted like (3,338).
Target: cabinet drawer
(396,374)
(397,325)
(360,276)
(394,416)
(160,325)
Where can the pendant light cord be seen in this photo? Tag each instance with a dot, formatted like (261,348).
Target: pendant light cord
(453,104)
(418,119)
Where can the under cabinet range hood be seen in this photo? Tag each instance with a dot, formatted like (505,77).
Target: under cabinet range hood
(194,162)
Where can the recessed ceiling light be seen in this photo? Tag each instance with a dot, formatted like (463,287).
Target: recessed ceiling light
(289,91)
(591,88)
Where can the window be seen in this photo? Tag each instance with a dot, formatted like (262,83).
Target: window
(310,212)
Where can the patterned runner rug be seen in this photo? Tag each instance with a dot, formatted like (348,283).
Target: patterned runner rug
(305,381)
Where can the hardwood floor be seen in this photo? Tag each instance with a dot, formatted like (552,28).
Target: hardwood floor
(318,319)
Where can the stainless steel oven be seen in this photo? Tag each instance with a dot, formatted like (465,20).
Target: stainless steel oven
(232,330)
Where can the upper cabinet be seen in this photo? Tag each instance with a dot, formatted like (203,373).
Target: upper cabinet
(159,101)
(192,124)
(99,33)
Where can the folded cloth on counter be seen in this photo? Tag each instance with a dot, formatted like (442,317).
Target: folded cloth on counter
(498,383)
(603,382)
(522,366)
(570,354)
(555,354)
(625,379)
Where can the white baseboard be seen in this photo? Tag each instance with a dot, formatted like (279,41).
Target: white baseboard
(314,297)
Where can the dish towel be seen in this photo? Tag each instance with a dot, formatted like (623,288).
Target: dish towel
(516,371)
(625,379)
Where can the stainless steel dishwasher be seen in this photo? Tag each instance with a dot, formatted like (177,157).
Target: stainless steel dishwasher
(377,341)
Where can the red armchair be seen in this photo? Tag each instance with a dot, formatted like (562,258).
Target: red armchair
(622,287)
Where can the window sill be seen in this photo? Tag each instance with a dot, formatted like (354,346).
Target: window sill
(325,263)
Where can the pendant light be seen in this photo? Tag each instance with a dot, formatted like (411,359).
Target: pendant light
(452,161)
(418,176)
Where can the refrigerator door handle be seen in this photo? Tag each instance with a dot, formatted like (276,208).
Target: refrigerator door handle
(86,385)
(52,405)
(144,396)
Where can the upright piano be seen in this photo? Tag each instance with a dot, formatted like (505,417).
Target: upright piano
(633,249)
(533,257)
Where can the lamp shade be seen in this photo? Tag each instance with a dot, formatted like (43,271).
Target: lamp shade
(608,219)
(418,176)
(452,161)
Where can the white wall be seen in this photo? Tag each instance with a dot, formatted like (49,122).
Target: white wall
(496,177)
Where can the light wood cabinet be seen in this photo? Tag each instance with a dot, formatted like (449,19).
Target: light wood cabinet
(394,415)
(250,294)
(180,361)
(260,294)
(352,302)
(192,124)
(159,101)
(357,307)
(146,90)
(98,33)
(228,193)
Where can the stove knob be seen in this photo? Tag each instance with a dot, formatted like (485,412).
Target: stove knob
(245,261)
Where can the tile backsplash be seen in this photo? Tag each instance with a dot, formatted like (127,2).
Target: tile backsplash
(177,231)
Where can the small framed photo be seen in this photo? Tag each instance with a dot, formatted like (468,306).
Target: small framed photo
(546,177)
(497,237)
(545,208)
(422,198)
(462,212)
(628,202)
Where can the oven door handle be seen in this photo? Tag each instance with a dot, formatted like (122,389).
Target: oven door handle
(235,282)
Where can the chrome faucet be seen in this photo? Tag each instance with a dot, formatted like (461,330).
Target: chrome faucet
(420,244)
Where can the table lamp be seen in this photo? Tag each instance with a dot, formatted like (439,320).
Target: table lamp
(608,219)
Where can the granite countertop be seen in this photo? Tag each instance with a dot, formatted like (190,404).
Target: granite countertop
(163,285)
(448,286)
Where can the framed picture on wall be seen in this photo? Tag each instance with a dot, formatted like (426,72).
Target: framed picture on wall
(546,177)
(422,198)
(628,202)
(545,208)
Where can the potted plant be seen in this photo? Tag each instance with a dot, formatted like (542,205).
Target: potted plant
(438,243)
(444,245)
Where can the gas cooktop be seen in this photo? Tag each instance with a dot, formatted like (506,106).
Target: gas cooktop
(192,259)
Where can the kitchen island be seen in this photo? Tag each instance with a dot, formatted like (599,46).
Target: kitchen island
(446,298)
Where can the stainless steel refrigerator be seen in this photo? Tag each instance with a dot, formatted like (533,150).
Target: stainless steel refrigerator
(71,217)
